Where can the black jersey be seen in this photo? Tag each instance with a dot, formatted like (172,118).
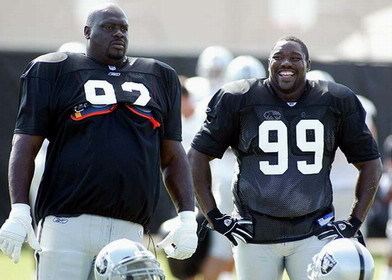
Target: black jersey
(105,126)
(285,150)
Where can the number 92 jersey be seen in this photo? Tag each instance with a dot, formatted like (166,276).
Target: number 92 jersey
(105,126)
(285,150)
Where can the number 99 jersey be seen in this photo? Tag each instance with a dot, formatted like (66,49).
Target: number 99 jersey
(105,126)
(285,150)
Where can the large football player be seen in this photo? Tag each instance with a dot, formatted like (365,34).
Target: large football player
(112,123)
(284,131)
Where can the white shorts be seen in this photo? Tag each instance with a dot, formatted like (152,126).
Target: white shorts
(70,244)
(268,261)
(220,247)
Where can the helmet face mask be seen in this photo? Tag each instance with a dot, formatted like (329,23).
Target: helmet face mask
(124,259)
(342,259)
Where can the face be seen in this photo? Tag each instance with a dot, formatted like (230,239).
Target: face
(108,36)
(287,66)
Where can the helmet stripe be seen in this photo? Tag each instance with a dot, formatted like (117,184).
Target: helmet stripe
(361,262)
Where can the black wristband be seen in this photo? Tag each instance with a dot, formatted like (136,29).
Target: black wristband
(214,214)
(356,223)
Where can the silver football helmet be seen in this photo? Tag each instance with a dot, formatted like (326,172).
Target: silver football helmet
(244,67)
(212,62)
(319,75)
(342,259)
(124,259)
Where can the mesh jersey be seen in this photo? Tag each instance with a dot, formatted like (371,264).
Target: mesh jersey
(104,126)
(285,152)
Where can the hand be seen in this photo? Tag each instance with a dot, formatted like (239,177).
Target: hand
(16,229)
(181,242)
(340,229)
(230,227)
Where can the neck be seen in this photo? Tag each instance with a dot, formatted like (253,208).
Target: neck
(289,95)
(107,60)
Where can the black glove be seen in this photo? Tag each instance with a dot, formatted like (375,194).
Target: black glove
(230,227)
(340,229)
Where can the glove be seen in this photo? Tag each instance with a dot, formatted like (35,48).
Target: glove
(340,229)
(230,227)
(181,242)
(16,230)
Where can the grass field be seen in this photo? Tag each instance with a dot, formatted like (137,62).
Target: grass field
(24,270)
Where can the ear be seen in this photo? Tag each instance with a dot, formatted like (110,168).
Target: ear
(308,66)
(87,32)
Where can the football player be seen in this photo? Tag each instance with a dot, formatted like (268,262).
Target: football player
(284,131)
(112,123)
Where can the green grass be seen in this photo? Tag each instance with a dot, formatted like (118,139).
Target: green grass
(24,270)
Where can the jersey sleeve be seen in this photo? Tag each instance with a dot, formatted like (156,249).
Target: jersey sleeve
(33,112)
(218,130)
(356,140)
(172,120)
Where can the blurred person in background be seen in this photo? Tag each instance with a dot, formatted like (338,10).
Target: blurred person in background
(191,120)
(217,259)
(96,110)
(189,268)
(220,262)
(284,131)
(210,73)
(344,176)
(211,68)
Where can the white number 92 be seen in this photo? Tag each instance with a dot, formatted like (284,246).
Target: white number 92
(109,96)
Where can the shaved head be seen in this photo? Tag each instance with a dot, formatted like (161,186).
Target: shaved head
(107,8)
(106,31)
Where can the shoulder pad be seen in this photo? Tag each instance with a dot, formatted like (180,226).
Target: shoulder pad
(44,65)
(238,87)
(335,89)
(52,57)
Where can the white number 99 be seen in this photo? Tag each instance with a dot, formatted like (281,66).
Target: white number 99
(281,146)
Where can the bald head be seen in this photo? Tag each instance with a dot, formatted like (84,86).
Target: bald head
(102,10)
(106,32)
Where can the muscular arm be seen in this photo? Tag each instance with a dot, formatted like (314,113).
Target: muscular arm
(21,166)
(176,175)
(367,185)
(201,173)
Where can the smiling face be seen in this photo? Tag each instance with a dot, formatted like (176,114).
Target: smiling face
(107,33)
(287,67)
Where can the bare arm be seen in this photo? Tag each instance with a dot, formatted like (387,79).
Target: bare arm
(21,166)
(201,173)
(176,175)
(367,185)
